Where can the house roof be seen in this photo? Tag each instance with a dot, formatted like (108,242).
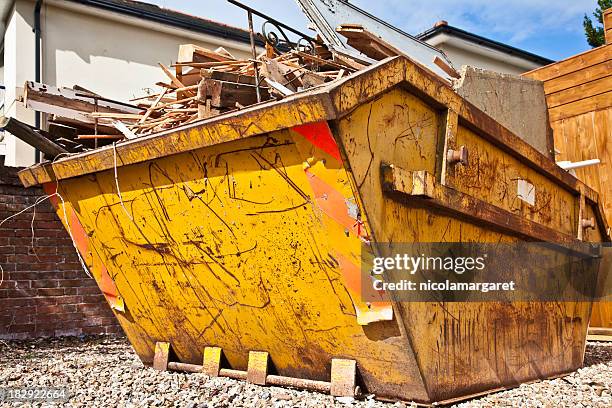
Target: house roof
(174,18)
(444,28)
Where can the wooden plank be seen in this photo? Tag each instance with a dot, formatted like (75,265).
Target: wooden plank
(195,53)
(226,94)
(170,75)
(113,115)
(343,377)
(227,76)
(580,92)
(257,369)
(161,356)
(104,127)
(594,103)
(366,42)
(68,102)
(311,79)
(572,64)
(93,137)
(31,136)
(573,79)
(443,65)
(210,64)
(324,62)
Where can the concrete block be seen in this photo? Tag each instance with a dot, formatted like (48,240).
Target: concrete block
(517,103)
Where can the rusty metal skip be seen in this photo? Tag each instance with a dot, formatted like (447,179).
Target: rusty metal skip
(247,231)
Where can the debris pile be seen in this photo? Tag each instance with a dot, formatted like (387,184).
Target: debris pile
(202,84)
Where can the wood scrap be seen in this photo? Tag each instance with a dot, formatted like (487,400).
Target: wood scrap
(203,84)
(444,66)
(283,90)
(33,137)
(173,78)
(367,42)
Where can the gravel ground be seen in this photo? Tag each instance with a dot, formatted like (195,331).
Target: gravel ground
(103,371)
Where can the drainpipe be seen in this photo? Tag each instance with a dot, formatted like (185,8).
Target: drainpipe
(37,62)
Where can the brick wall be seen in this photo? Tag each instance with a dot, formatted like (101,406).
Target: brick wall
(45,290)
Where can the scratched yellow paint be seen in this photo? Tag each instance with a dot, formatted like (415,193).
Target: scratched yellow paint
(226,246)
(225,237)
(461,348)
(493,175)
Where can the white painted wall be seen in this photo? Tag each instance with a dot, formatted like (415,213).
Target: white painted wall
(116,57)
(108,53)
(462,52)
(18,67)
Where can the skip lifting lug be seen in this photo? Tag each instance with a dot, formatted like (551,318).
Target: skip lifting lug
(457,156)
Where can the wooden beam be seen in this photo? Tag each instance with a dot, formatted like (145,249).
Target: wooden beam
(572,64)
(66,102)
(580,107)
(195,53)
(31,136)
(226,94)
(444,66)
(93,137)
(577,78)
(227,76)
(170,75)
(576,93)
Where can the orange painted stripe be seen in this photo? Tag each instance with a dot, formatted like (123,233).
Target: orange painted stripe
(333,204)
(320,135)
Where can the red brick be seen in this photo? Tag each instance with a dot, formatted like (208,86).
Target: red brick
(70,283)
(43,277)
(16,302)
(57,309)
(96,330)
(50,292)
(95,299)
(70,266)
(94,290)
(21,275)
(17,318)
(23,328)
(17,293)
(44,318)
(114,329)
(45,283)
(69,299)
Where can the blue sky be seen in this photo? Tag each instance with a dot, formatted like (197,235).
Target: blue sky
(550,28)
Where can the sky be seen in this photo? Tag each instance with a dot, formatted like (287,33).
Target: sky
(550,28)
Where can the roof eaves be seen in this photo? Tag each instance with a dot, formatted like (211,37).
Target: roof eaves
(173,18)
(477,39)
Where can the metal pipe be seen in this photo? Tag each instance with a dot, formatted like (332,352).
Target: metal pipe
(189,368)
(278,380)
(254,51)
(311,385)
(569,165)
(235,374)
(37,62)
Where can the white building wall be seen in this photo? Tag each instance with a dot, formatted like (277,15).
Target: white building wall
(111,54)
(462,52)
(18,68)
(460,57)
